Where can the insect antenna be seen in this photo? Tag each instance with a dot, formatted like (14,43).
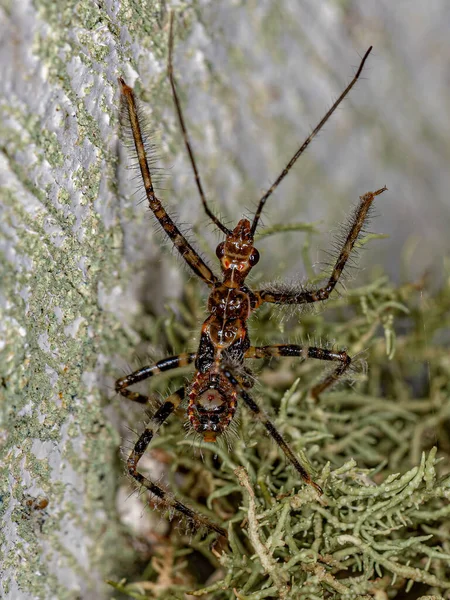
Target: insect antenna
(306,143)
(187,142)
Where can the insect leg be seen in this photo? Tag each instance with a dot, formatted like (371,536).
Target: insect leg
(273,431)
(161,415)
(306,352)
(179,241)
(172,362)
(308,296)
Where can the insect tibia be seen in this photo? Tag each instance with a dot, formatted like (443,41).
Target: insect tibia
(134,120)
(342,258)
(164,501)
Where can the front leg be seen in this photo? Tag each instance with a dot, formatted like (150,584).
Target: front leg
(305,297)
(179,241)
(172,362)
(306,352)
(164,497)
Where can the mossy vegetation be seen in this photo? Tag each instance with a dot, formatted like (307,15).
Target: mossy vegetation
(378,443)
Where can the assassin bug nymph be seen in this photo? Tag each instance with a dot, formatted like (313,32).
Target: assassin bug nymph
(220,377)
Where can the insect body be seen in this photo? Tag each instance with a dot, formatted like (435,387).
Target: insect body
(224,338)
(221,377)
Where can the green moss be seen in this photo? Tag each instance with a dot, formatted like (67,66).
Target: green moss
(380,449)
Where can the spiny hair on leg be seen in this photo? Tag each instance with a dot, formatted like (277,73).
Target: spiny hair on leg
(291,285)
(340,234)
(358,368)
(224,219)
(190,527)
(193,523)
(184,228)
(125,450)
(150,138)
(231,434)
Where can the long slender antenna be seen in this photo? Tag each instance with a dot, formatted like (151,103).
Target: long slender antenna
(187,142)
(307,142)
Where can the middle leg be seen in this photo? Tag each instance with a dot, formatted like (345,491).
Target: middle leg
(304,352)
(307,296)
(166,364)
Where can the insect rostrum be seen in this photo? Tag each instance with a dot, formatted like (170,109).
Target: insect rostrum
(220,379)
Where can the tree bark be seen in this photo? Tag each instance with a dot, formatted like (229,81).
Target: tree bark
(80,257)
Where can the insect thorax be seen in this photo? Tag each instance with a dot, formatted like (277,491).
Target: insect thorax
(224,335)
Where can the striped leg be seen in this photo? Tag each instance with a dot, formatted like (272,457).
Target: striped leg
(172,362)
(307,296)
(272,430)
(306,352)
(161,415)
(179,241)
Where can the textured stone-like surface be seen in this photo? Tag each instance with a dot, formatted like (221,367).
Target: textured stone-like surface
(78,253)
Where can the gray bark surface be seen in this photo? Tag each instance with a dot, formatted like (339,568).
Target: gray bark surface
(80,256)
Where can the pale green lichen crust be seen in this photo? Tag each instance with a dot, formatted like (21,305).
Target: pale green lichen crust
(61,269)
(383,522)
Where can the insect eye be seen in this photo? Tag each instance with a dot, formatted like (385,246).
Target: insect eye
(220,250)
(254,257)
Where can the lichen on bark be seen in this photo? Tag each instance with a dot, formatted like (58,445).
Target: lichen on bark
(84,283)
